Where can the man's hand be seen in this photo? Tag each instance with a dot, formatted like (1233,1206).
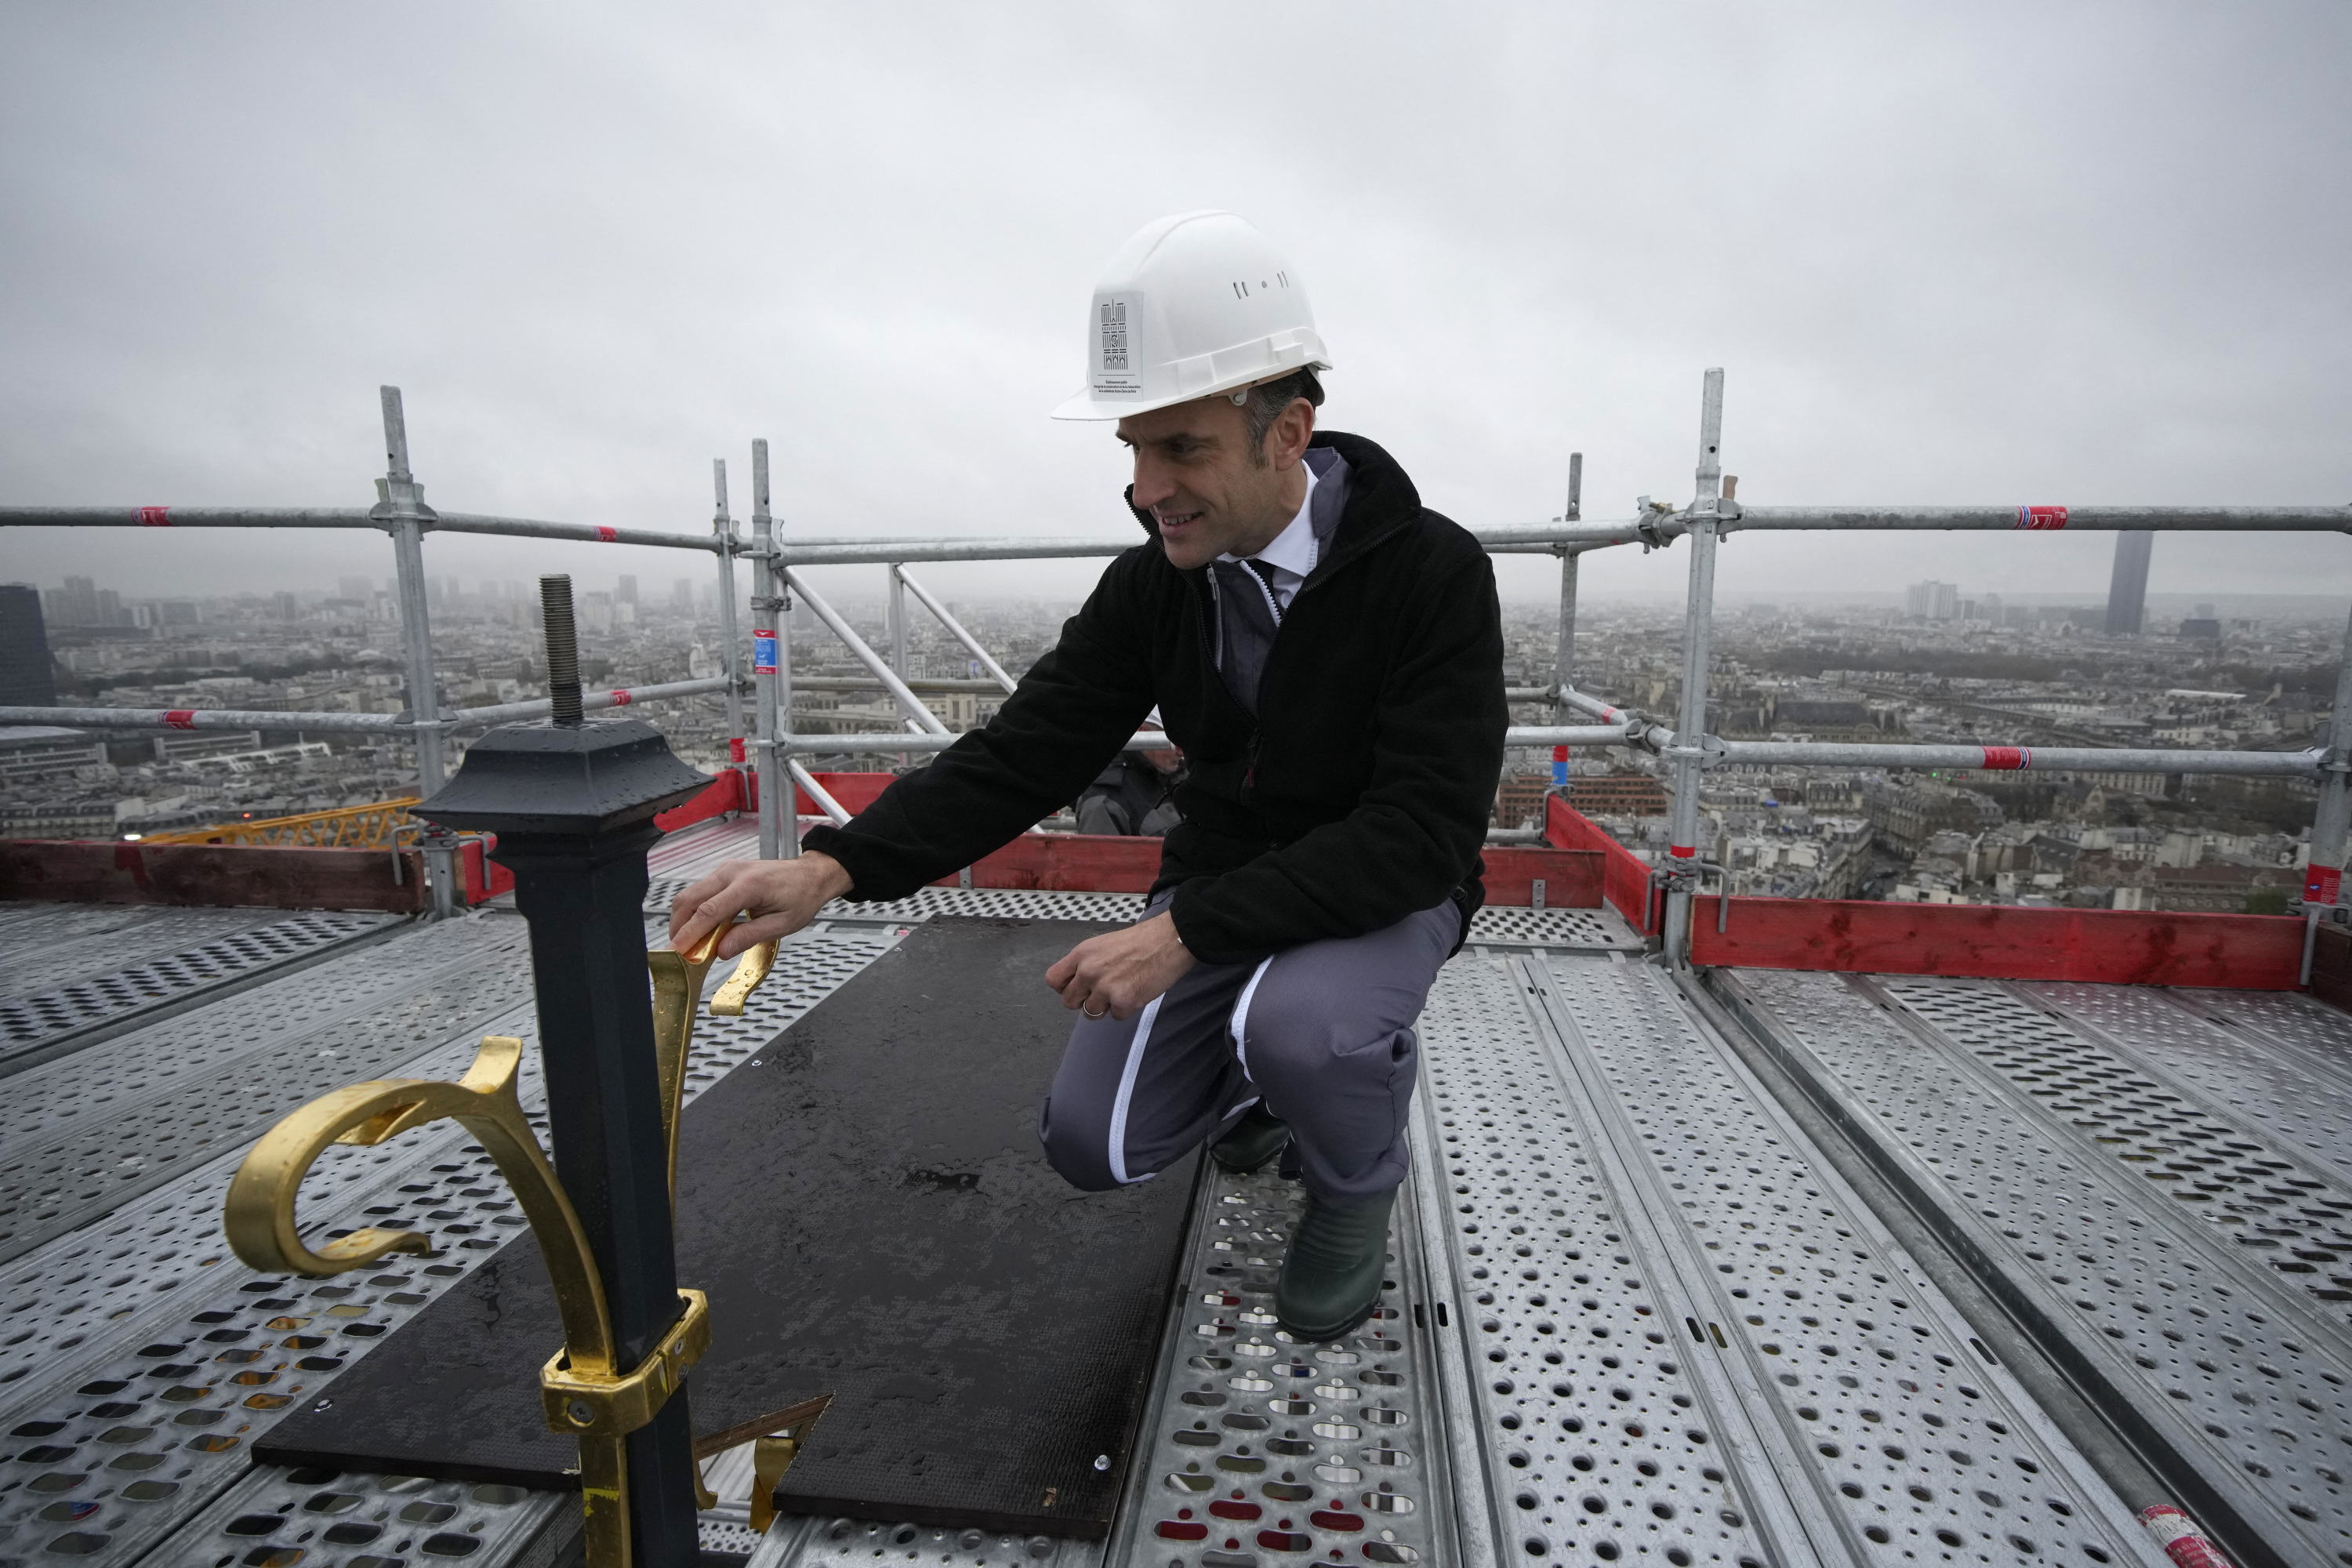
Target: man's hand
(1115,975)
(780,896)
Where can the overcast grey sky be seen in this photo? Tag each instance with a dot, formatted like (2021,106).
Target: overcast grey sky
(1959,253)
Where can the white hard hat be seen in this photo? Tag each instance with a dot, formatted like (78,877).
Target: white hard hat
(1192,304)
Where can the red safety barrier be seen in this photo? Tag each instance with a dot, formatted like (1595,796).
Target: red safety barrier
(2331,966)
(1572,879)
(483,877)
(105,872)
(1103,863)
(854,792)
(1625,876)
(2002,941)
(726,793)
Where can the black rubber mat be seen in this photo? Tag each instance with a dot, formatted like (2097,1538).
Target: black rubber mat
(869,1209)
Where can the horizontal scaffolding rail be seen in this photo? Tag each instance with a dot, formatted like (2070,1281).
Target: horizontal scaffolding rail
(1713,513)
(2011,759)
(394,724)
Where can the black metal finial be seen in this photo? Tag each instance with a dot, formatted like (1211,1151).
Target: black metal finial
(562,649)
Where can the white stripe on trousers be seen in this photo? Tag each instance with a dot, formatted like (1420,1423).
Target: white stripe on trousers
(1126,1093)
(1241,1016)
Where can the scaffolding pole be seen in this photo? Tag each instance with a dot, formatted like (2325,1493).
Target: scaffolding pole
(1563,662)
(772,665)
(730,639)
(1689,754)
(403,510)
(955,628)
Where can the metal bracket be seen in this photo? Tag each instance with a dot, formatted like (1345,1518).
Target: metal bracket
(611,1406)
(1709,753)
(772,601)
(1684,876)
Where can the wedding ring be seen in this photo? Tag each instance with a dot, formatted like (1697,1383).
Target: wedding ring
(1096,1016)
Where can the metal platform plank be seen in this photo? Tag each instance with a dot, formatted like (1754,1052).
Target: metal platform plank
(71,976)
(1586,1413)
(89,1131)
(43,944)
(2194,1155)
(276,1518)
(1593,929)
(1256,1443)
(2228,1070)
(2025,1144)
(1913,1440)
(171,1392)
(2301,1028)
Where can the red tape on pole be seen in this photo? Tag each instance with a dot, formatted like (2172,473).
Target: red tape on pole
(154,517)
(621,698)
(2007,758)
(181,718)
(2041,518)
(609,535)
(2181,1539)
(1681,851)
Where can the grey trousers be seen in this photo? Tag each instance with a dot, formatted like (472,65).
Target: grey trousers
(1322,1032)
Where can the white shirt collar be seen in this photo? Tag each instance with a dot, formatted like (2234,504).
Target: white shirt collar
(1294,549)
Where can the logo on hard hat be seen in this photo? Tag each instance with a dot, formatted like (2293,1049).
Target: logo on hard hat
(1114,334)
(1116,318)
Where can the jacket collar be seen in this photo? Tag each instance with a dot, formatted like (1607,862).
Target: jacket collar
(1380,500)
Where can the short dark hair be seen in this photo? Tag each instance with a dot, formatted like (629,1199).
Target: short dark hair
(1267,400)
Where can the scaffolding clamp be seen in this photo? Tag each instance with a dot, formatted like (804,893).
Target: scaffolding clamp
(606,1405)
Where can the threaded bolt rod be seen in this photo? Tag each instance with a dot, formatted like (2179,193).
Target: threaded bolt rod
(562,650)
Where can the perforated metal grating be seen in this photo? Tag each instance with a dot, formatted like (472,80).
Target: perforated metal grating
(55,988)
(276,1518)
(2309,1109)
(1258,1443)
(1916,1445)
(994,904)
(2043,1171)
(1588,1413)
(1601,928)
(2319,1035)
(170,1388)
(803,1542)
(2211,1161)
(89,1130)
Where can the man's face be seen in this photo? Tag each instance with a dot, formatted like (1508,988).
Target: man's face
(1194,473)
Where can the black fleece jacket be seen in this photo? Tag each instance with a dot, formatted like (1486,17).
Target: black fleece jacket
(1359,794)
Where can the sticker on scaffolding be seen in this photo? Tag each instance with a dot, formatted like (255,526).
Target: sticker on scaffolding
(2181,1539)
(2008,759)
(2323,885)
(764,653)
(2041,518)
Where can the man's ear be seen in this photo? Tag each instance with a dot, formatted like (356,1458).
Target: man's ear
(1286,438)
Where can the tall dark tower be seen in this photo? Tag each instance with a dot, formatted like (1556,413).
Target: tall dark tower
(25,680)
(2127,590)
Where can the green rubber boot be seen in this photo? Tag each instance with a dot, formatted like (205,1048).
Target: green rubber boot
(1256,1137)
(1331,1279)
